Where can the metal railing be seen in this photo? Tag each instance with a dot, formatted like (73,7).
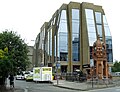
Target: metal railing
(75,77)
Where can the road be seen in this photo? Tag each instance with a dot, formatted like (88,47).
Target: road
(38,87)
(46,87)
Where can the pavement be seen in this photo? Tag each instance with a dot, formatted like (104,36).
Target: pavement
(82,86)
(12,90)
(70,85)
(16,89)
(8,89)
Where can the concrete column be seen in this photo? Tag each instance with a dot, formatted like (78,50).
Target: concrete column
(69,26)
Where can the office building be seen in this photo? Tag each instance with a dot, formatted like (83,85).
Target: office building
(69,35)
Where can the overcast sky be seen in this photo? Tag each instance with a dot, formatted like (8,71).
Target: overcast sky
(27,16)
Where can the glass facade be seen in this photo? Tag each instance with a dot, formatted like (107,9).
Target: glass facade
(85,26)
(75,35)
(63,38)
(48,43)
(90,26)
(99,24)
(108,39)
(50,33)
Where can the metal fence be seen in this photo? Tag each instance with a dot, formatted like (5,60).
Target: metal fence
(75,77)
(92,83)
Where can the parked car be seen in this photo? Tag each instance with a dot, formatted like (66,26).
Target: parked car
(26,74)
(20,77)
(29,77)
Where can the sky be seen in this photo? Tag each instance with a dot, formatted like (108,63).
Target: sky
(27,16)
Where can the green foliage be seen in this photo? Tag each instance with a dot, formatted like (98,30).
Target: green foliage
(116,67)
(4,63)
(13,52)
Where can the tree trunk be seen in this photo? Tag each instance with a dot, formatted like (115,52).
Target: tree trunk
(2,83)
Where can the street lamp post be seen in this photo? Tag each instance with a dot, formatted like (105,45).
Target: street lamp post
(57,76)
(57,67)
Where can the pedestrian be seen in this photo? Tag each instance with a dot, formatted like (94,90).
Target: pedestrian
(11,78)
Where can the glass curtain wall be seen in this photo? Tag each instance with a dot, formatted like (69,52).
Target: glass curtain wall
(90,28)
(50,42)
(108,39)
(63,38)
(99,24)
(40,43)
(75,35)
(42,40)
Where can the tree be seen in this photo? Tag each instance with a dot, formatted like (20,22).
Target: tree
(116,67)
(17,51)
(4,65)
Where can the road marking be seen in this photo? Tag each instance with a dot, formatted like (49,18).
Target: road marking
(26,89)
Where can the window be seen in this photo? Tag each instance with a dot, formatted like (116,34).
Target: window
(99,29)
(98,17)
(91,29)
(99,24)
(108,39)
(75,35)
(106,27)
(90,26)
(50,42)
(63,38)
